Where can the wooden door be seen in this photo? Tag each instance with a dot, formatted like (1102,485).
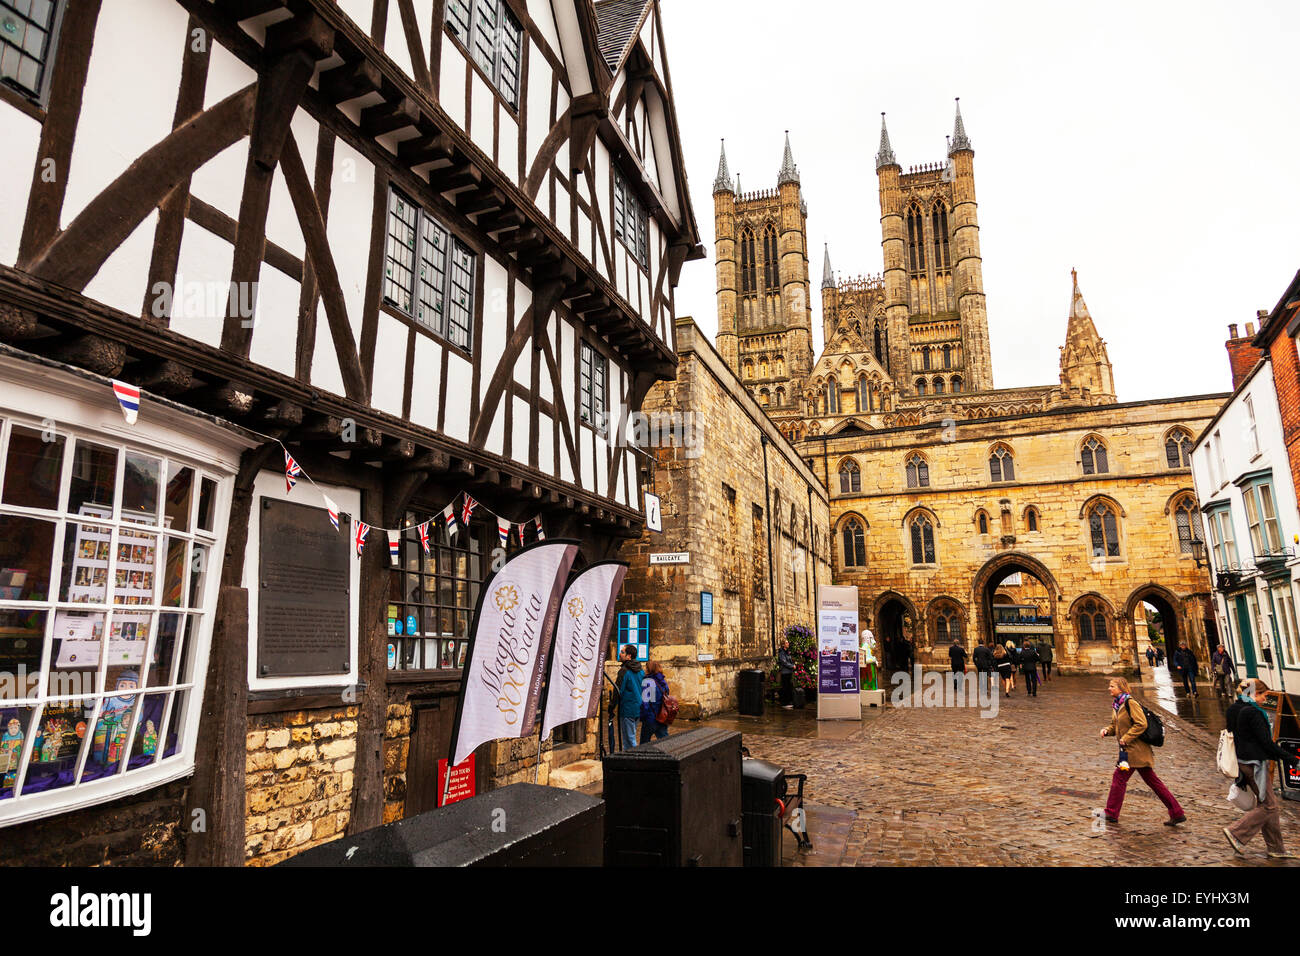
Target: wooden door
(431,722)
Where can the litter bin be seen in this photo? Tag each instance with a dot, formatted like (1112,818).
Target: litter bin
(762,785)
(749,693)
(675,802)
(519,825)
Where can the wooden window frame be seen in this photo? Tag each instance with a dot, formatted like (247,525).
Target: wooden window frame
(631,213)
(455,246)
(590,359)
(25,96)
(469,45)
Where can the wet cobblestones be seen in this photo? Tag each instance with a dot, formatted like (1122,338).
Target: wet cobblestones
(946,787)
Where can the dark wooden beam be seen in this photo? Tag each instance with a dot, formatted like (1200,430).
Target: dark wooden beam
(389,116)
(350,80)
(478,200)
(508,217)
(425,149)
(456,176)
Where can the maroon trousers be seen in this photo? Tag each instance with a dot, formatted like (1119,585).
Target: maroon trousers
(1119,784)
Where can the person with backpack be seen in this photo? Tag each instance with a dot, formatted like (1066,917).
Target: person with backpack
(1029,667)
(1225,672)
(1136,730)
(654,695)
(629,696)
(1188,664)
(1256,751)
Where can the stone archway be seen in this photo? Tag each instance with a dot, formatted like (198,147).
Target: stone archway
(985,585)
(889,613)
(1173,619)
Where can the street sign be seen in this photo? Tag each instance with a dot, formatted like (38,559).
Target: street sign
(671,557)
(654,517)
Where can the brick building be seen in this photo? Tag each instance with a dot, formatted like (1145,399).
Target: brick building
(749,514)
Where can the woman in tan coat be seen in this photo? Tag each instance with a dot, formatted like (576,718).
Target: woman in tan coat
(1128,723)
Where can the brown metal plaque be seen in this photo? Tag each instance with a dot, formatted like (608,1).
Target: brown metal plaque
(302,596)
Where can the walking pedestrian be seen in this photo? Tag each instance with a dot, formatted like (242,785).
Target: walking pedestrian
(629,696)
(1045,654)
(1029,667)
(1255,753)
(1224,671)
(1002,661)
(1128,723)
(654,689)
(1014,653)
(983,660)
(1151,657)
(785,664)
(1188,664)
(957,657)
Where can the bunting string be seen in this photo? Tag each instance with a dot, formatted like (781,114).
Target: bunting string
(458,512)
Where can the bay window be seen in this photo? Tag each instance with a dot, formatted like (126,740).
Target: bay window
(109,555)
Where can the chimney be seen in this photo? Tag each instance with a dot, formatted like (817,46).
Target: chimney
(1242,355)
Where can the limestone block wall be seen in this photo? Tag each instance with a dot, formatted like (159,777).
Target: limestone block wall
(299,781)
(1049,478)
(760,547)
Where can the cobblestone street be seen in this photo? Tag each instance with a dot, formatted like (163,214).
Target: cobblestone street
(946,787)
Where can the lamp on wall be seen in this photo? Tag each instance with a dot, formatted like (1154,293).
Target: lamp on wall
(1198,553)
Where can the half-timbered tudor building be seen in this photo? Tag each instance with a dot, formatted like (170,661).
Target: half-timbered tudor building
(428,247)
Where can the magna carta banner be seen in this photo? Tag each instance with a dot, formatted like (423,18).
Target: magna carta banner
(586,615)
(511,639)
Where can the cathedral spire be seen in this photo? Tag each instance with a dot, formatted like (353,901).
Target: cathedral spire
(828,274)
(959,139)
(723,182)
(1085,367)
(789,171)
(885,157)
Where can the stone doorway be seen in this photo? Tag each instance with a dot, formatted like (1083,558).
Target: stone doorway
(1025,593)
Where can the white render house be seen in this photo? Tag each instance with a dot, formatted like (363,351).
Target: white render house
(1252,527)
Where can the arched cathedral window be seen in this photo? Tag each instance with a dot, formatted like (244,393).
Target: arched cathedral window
(832,396)
(850,477)
(922,534)
(771,260)
(864,394)
(925,358)
(916,238)
(748,266)
(940,224)
(1188,522)
(947,356)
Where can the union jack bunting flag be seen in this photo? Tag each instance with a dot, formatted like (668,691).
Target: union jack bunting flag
(521,533)
(363,529)
(503,531)
(449,515)
(333,510)
(467,510)
(128,396)
(292,472)
(395,546)
(424,536)
(541,535)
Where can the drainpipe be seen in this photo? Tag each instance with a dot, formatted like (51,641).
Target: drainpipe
(812,556)
(771,581)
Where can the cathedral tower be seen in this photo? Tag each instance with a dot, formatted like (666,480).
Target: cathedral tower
(934,286)
(764,303)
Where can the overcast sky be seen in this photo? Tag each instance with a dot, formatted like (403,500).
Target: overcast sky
(1155,147)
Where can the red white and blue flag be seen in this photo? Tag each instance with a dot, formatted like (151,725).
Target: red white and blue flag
(363,529)
(503,531)
(395,546)
(292,472)
(128,396)
(541,535)
(333,510)
(424,536)
(467,510)
(521,533)
(449,515)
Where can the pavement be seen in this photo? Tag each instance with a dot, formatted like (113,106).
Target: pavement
(945,786)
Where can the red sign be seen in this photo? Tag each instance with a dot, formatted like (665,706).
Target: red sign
(462,781)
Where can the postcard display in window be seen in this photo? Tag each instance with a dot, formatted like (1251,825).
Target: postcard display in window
(133,584)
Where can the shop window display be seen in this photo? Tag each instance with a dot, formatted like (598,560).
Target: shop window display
(432,597)
(103,560)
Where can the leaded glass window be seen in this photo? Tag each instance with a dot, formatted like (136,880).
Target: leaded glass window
(922,540)
(494,38)
(432,281)
(1104,528)
(26,27)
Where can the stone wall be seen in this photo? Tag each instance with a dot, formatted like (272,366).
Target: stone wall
(146,829)
(1049,477)
(300,779)
(717,507)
